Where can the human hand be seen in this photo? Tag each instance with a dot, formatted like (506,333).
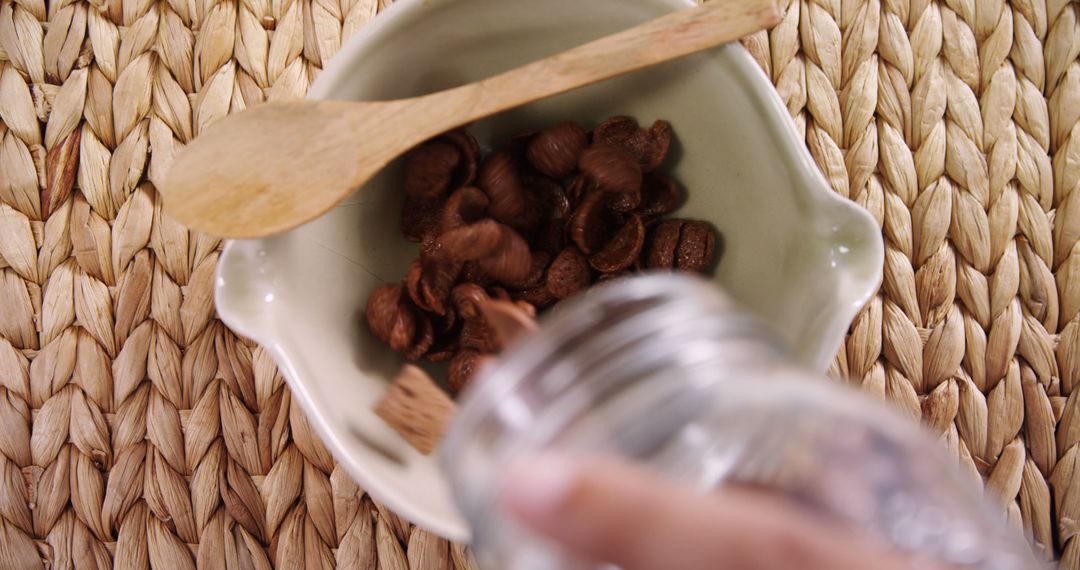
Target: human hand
(604,510)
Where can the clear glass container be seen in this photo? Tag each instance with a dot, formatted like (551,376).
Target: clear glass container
(664,370)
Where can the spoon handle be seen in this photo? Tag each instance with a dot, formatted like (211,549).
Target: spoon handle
(675,35)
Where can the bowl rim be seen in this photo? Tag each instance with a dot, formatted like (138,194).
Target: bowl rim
(777,121)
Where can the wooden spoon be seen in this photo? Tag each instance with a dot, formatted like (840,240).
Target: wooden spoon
(278,165)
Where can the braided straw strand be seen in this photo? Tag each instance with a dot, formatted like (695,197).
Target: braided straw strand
(1061,87)
(138,431)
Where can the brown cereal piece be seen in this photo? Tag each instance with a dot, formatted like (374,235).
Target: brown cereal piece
(697,244)
(623,249)
(520,139)
(391,318)
(510,261)
(412,281)
(447,322)
(554,151)
(535,278)
(429,170)
(477,334)
(549,233)
(615,129)
(463,367)
(537,297)
(660,197)
(656,150)
(500,180)
(472,273)
(474,241)
(431,245)
(615,171)
(419,221)
(550,238)
(430,280)
(665,239)
(467,298)
(648,146)
(447,327)
(568,274)
(470,156)
(576,190)
(423,340)
(625,202)
(441,354)
(593,223)
(465,206)
(416,408)
(498,293)
(686,245)
(549,195)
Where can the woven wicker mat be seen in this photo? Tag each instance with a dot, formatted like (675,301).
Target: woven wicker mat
(135,429)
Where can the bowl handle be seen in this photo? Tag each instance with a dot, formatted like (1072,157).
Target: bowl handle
(245,289)
(856,241)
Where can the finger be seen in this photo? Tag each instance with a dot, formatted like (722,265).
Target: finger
(610,512)
(509,320)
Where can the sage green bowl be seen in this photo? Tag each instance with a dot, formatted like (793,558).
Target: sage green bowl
(802,258)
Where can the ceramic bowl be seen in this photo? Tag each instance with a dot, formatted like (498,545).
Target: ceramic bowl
(799,256)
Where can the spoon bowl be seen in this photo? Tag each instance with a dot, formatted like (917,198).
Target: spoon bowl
(234,181)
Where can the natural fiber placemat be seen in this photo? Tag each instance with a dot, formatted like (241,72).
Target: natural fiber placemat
(135,429)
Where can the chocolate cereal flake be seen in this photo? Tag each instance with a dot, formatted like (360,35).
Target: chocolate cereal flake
(568,274)
(613,170)
(665,239)
(429,170)
(659,197)
(648,146)
(623,249)
(593,222)
(500,180)
(697,243)
(462,369)
(554,151)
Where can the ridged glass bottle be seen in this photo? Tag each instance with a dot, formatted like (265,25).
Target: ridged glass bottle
(666,371)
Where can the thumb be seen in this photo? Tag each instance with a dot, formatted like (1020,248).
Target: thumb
(607,511)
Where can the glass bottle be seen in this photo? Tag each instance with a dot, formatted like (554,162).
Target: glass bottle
(664,370)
